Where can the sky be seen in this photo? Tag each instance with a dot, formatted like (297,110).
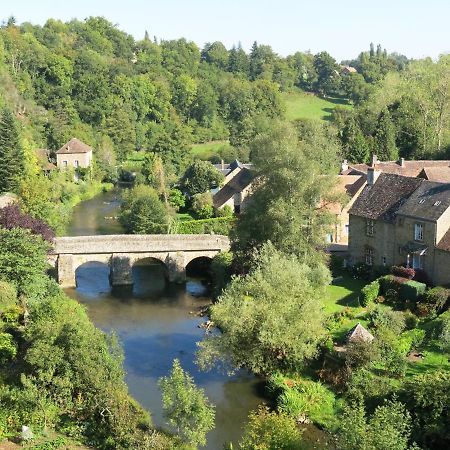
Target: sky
(415,28)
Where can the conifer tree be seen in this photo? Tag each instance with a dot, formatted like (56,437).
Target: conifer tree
(385,137)
(11,153)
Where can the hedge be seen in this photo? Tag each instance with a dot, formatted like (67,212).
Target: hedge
(218,225)
(391,283)
(369,293)
(412,290)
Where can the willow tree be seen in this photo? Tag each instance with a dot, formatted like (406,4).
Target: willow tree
(294,183)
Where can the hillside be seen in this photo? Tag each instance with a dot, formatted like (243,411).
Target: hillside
(302,105)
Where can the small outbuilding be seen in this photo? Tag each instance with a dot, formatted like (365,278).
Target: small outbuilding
(359,333)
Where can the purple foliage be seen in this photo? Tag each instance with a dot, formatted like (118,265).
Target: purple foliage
(405,272)
(12,217)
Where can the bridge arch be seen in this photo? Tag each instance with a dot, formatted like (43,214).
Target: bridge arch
(199,266)
(93,276)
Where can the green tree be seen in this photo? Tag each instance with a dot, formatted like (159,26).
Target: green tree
(290,192)
(142,212)
(215,54)
(200,177)
(238,62)
(11,153)
(328,79)
(268,430)
(356,145)
(271,319)
(23,257)
(202,205)
(186,406)
(388,428)
(385,138)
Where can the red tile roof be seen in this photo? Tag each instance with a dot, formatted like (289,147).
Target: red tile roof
(74,146)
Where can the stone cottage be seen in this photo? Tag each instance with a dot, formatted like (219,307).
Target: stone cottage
(74,154)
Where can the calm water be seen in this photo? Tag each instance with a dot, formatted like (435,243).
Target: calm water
(155,323)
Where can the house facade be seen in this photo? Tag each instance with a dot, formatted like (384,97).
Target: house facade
(400,220)
(74,154)
(236,191)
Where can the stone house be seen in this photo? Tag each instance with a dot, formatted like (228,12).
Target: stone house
(399,220)
(74,154)
(350,186)
(236,191)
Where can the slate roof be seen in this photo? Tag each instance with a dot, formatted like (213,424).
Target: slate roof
(438,174)
(428,202)
(237,184)
(382,200)
(409,168)
(359,333)
(74,146)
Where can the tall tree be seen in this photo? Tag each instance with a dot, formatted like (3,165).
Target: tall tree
(186,406)
(11,153)
(271,319)
(385,138)
(289,195)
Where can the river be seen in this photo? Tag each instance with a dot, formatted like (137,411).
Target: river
(155,323)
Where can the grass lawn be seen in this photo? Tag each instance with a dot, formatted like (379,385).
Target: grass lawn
(301,105)
(343,293)
(184,217)
(208,149)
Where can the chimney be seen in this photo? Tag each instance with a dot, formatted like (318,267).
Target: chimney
(222,164)
(402,162)
(372,176)
(344,166)
(374,160)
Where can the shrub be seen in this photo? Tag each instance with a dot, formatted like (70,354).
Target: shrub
(369,293)
(361,271)
(412,290)
(226,211)
(391,283)
(177,199)
(8,295)
(437,298)
(336,264)
(202,205)
(268,430)
(410,340)
(384,318)
(410,320)
(8,348)
(218,225)
(403,272)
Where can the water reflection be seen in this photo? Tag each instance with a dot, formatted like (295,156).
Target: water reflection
(156,323)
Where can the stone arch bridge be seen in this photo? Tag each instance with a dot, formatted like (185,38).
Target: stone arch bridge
(120,252)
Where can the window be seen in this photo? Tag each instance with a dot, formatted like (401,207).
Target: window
(437,203)
(418,232)
(384,260)
(369,256)
(347,230)
(369,227)
(76,163)
(65,163)
(329,238)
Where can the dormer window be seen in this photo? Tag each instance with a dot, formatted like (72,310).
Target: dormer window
(422,200)
(369,227)
(418,231)
(437,203)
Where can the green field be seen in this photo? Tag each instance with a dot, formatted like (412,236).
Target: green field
(301,105)
(208,149)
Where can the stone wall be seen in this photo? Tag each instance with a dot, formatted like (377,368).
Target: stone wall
(84,159)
